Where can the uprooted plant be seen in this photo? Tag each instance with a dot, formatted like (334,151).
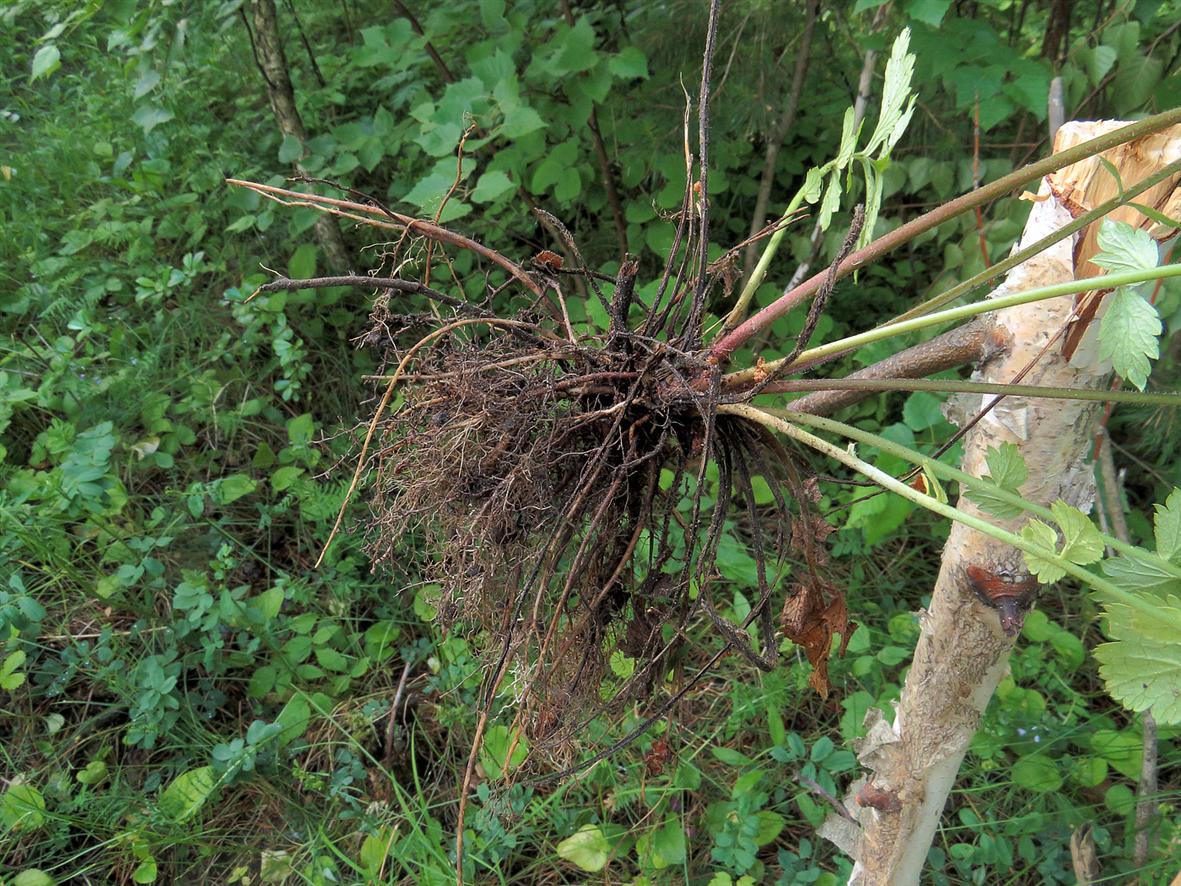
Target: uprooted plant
(573,481)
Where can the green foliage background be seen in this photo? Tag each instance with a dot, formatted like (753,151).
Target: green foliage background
(184,699)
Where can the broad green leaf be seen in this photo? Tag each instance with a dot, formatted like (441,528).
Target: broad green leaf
(668,845)
(922,411)
(770,826)
(375,849)
(33,877)
(929,12)
(1128,335)
(1039,533)
(291,149)
(22,808)
(492,185)
(520,120)
(1037,772)
(729,756)
(302,264)
(587,848)
(1142,664)
(991,503)
(1121,749)
(284,477)
(1135,79)
(233,487)
(1125,248)
(1083,543)
(1167,525)
(146,871)
(1134,573)
(629,63)
(494,753)
(1098,62)
(294,719)
(95,772)
(47,60)
(1006,468)
(148,117)
(188,792)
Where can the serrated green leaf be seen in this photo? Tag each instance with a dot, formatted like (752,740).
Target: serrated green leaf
(1006,467)
(896,109)
(1128,335)
(1167,525)
(587,848)
(1083,543)
(1134,573)
(993,504)
(813,184)
(1142,664)
(832,200)
(1037,532)
(1125,248)
(848,139)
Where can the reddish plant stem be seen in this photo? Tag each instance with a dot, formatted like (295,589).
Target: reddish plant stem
(724,347)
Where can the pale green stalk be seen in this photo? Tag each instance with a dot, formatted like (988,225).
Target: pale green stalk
(948,472)
(738,312)
(962,312)
(1113,591)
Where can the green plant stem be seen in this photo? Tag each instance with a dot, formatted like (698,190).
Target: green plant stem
(738,312)
(962,312)
(944,386)
(1098,583)
(730,341)
(991,273)
(948,472)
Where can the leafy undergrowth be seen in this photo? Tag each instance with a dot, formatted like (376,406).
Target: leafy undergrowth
(183,698)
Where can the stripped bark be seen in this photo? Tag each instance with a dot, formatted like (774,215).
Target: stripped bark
(962,652)
(272,64)
(782,128)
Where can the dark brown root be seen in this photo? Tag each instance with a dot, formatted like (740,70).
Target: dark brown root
(572,497)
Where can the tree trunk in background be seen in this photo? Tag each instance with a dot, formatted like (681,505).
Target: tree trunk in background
(272,64)
(962,653)
(782,130)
